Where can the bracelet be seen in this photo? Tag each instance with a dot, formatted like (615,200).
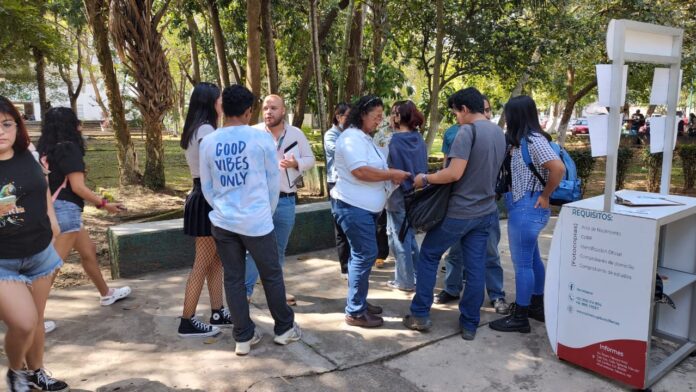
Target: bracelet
(425,180)
(102,204)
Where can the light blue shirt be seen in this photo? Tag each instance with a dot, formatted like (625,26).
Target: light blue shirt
(240,179)
(330,138)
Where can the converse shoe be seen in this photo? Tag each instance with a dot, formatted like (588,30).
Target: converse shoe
(115,295)
(243,348)
(195,328)
(17,381)
(49,326)
(221,318)
(41,380)
(291,335)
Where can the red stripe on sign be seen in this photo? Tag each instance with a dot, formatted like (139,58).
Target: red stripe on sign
(621,360)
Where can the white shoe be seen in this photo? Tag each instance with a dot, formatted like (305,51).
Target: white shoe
(116,295)
(291,335)
(344,276)
(243,348)
(49,326)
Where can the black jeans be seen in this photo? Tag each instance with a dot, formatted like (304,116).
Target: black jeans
(232,249)
(342,246)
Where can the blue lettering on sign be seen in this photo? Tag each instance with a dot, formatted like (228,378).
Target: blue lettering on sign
(592,214)
(233,168)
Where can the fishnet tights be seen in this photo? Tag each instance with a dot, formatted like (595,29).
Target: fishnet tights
(207,265)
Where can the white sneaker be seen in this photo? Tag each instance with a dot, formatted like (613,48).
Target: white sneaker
(291,335)
(116,295)
(243,348)
(49,326)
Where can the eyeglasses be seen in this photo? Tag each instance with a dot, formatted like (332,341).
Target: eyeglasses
(8,125)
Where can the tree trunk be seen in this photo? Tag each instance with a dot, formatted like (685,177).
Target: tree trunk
(303,86)
(269,45)
(379,31)
(316,64)
(342,76)
(219,40)
(522,81)
(570,105)
(195,62)
(97,94)
(40,69)
(97,11)
(434,97)
(73,92)
(554,118)
(253,71)
(354,74)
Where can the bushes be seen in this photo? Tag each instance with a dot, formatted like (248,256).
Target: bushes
(687,153)
(584,163)
(625,154)
(653,162)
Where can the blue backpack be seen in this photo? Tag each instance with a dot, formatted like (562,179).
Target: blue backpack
(569,188)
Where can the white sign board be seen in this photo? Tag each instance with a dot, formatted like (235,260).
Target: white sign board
(605,278)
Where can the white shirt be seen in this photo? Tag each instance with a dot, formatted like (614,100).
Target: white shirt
(239,179)
(355,149)
(302,152)
(191,152)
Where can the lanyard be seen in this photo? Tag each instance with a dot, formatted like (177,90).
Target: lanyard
(282,138)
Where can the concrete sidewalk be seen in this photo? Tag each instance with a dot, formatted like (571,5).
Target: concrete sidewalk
(133,346)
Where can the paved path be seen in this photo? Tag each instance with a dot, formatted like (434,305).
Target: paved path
(133,346)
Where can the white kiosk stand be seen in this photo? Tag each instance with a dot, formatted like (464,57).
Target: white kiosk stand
(604,257)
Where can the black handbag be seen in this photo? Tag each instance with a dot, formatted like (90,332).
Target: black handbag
(427,207)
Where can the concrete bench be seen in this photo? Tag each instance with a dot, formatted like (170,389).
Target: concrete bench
(139,248)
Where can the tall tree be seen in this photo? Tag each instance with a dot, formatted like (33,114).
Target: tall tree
(269,46)
(434,97)
(219,40)
(316,64)
(40,72)
(354,78)
(66,75)
(135,25)
(193,36)
(97,12)
(253,70)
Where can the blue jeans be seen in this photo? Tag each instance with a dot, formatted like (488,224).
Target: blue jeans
(360,227)
(405,253)
(283,222)
(494,271)
(524,225)
(472,234)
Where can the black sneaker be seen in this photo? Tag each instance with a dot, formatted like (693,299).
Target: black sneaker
(195,328)
(444,297)
(221,318)
(43,381)
(17,381)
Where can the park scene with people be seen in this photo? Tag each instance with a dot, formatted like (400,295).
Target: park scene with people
(347,195)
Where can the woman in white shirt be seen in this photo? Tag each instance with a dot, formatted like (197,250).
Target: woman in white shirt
(359,196)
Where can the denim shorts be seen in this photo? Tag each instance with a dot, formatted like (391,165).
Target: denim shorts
(28,269)
(69,216)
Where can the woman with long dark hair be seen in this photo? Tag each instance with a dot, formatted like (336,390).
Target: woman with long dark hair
(28,260)
(357,200)
(202,119)
(330,137)
(62,150)
(527,203)
(408,152)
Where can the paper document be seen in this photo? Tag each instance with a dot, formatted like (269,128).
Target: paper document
(644,200)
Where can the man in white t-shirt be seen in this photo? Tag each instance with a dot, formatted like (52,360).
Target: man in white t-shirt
(295,156)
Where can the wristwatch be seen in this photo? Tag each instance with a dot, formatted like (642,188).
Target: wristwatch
(425,180)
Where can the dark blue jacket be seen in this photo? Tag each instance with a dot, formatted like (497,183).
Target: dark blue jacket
(408,152)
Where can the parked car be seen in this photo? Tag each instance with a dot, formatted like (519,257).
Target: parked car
(580,127)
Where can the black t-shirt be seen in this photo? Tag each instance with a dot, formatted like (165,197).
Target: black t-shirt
(65,158)
(25,230)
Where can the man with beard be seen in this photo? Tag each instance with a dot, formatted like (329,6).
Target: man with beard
(295,156)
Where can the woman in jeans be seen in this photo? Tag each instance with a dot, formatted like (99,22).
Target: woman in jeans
(528,210)
(407,151)
(62,148)
(330,137)
(358,198)
(204,110)
(28,260)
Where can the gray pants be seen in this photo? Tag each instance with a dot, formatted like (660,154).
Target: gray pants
(232,249)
